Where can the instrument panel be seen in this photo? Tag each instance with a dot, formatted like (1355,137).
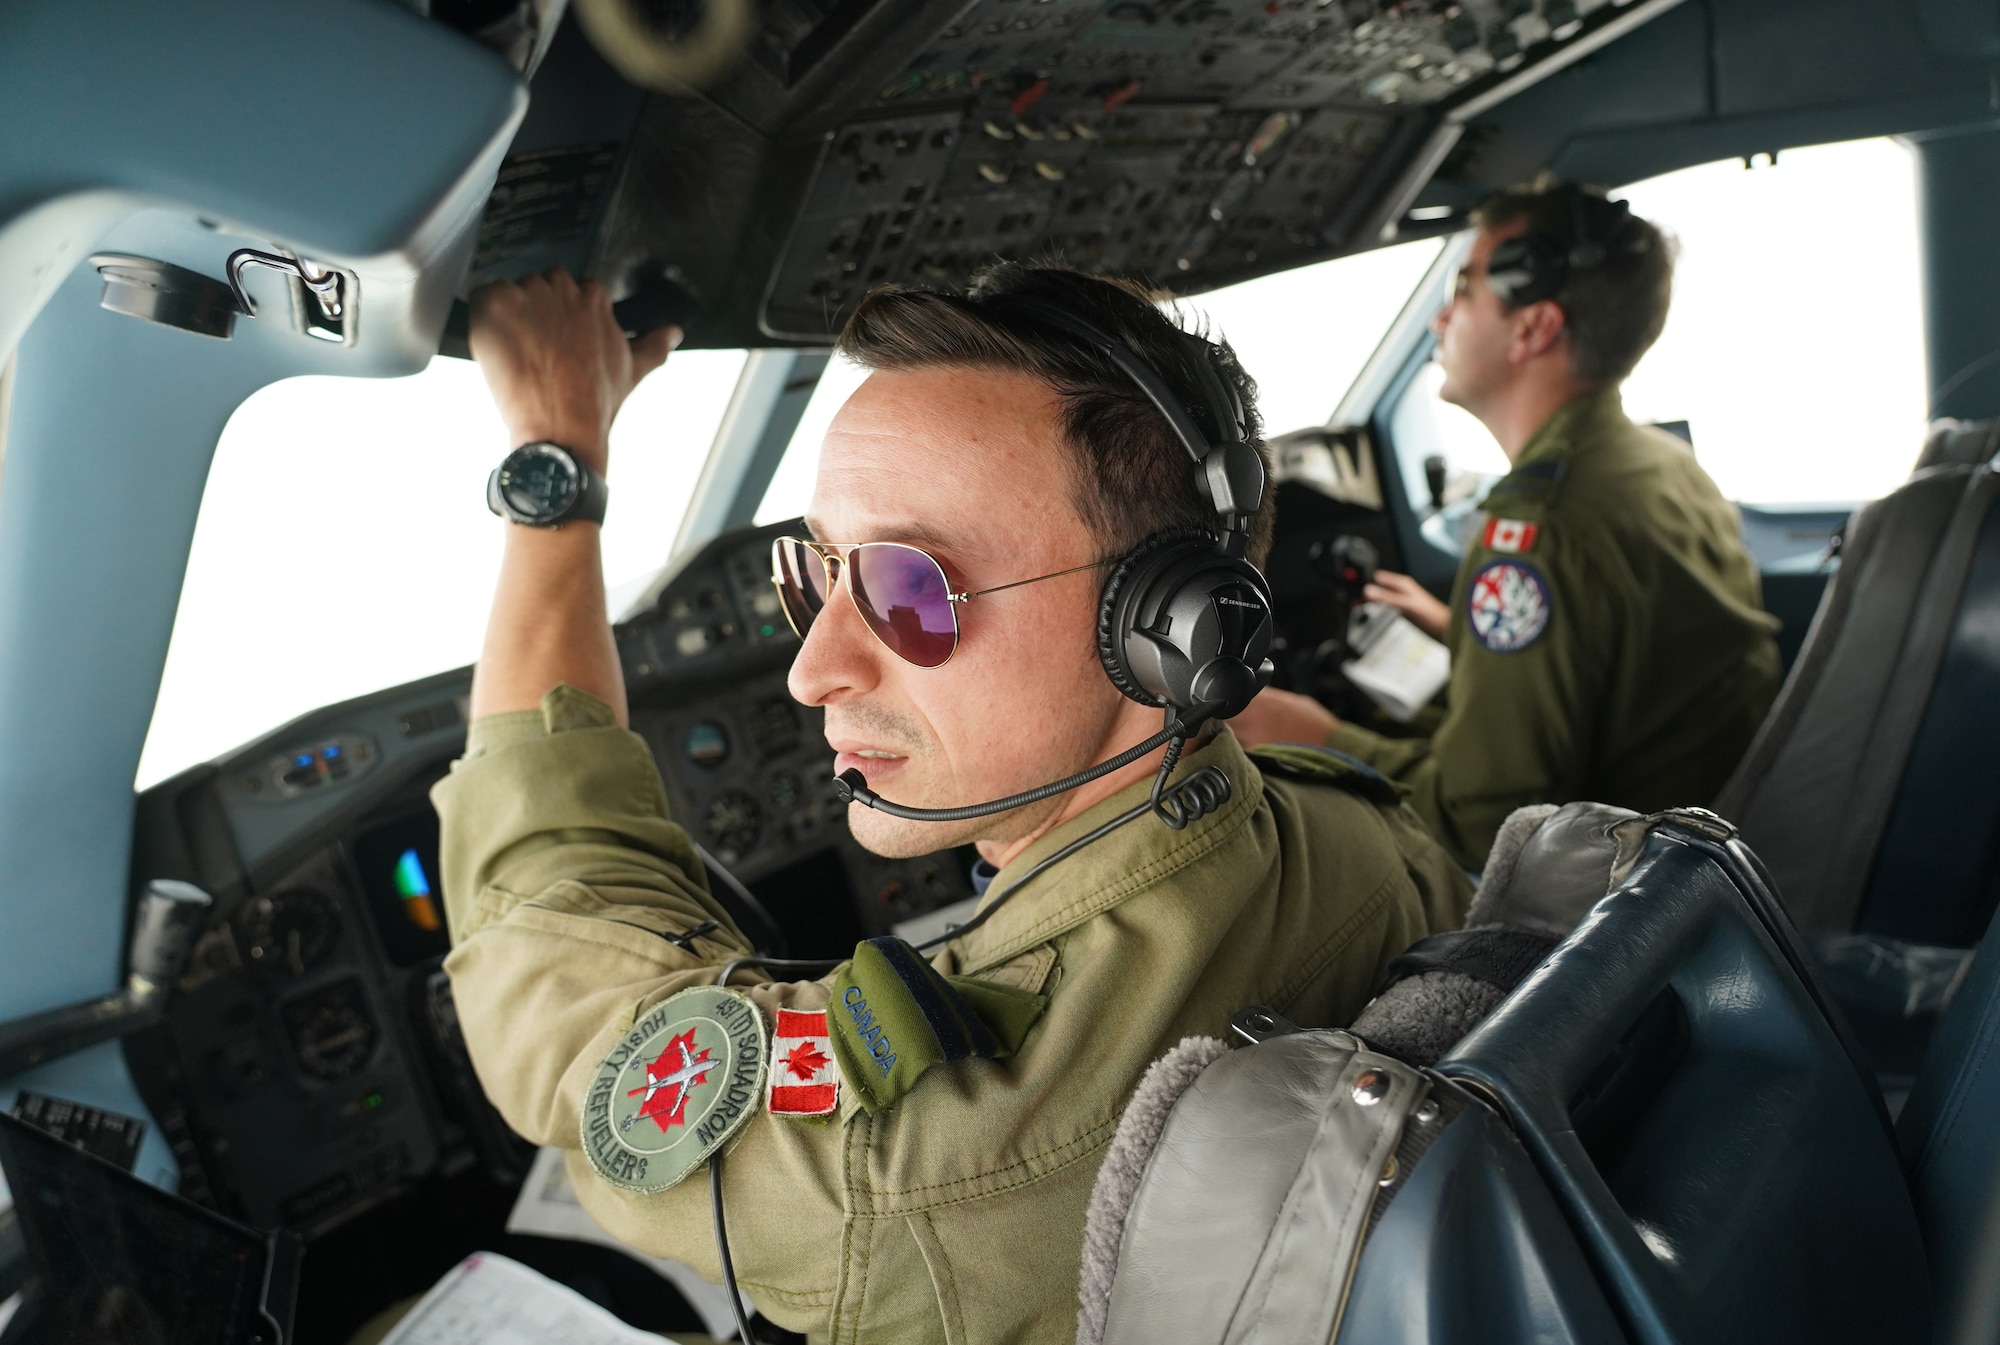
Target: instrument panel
(310,1065)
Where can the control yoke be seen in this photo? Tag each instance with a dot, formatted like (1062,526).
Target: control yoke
(170,915)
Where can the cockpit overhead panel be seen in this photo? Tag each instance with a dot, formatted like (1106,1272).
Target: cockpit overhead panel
(1192,142)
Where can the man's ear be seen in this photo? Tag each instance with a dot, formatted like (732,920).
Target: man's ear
(1538,328)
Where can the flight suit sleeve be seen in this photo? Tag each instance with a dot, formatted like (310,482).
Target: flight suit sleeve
(1533,636)
(575,905)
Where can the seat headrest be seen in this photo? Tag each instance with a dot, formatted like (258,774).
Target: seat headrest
(1549,865)
(1964,442)
(1238,1190)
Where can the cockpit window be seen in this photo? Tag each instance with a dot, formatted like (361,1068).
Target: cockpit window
(1793,357)
(1794,352)
(1303,335)
(791,487)
(344,543)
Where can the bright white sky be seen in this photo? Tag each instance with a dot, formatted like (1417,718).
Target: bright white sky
(1795,351)
(316,577)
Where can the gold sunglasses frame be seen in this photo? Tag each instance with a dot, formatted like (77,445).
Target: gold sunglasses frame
(830,552)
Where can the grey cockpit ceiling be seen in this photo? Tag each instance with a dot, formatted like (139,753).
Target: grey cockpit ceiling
(1189,142)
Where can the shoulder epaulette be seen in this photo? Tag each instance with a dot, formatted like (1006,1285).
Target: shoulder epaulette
(1326,766)
(1526,489)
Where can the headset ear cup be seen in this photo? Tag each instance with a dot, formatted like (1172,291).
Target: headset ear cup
(1128,582)
(1526,269)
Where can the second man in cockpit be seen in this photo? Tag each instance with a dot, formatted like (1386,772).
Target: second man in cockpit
(1606,633)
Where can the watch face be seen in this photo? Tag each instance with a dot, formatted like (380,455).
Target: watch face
(540,481)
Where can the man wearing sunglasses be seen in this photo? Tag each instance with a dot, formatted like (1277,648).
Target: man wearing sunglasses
(1606,630)
(972,498)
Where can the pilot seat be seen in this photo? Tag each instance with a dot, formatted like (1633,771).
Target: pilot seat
(1869,792)
(1663,1134)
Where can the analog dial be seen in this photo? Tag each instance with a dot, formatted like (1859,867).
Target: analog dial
(540,481)
(333,1033)
(733,822)
(286,933)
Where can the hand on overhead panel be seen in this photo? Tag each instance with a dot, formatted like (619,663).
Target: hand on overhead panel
(1283,717)
(556,361)
(1412,599)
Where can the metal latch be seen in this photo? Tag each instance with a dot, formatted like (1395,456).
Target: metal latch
(320,294)
(1711,825)
(323,299)
(1259,1023)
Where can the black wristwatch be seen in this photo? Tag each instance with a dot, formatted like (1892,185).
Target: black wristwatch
(544,485)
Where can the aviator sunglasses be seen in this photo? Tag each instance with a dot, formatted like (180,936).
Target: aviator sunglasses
(901,592)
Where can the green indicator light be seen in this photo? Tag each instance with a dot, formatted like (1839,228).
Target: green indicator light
(767,630)
(372,1101)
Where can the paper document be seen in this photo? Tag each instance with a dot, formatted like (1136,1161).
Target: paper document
(547,1207)
(487,1299)
(1400,667)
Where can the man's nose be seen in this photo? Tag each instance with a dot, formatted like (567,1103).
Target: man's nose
(840,656)
(1442,316)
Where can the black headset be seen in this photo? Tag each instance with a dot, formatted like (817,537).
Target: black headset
(1184,622)
(1185,619)
(1535,266)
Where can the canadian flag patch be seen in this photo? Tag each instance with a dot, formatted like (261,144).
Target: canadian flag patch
(804,1079)
(1509,535)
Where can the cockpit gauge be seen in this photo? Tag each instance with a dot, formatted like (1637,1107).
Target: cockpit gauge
(783,789)
(705,744)
(332,1031)
(733,822)
(286,933)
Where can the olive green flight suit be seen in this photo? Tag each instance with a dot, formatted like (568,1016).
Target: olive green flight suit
(957,1213)
(1607,638)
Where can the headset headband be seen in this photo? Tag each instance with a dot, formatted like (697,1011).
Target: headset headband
(1230,470)
(1534,266)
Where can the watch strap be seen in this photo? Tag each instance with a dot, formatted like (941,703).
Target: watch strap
(593,499)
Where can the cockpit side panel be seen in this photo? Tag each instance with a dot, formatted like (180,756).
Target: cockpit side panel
(350,130)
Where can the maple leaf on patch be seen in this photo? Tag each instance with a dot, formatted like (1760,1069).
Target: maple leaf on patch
(805,1060)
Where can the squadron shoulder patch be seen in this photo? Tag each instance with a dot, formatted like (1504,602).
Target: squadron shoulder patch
(1509,536)
(1508,605)
(674,1088)
(804,1080)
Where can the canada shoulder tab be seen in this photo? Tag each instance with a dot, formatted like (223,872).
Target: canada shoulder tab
(1327,766)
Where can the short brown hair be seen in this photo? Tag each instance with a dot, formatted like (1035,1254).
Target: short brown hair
(1133,477)
(1615,310)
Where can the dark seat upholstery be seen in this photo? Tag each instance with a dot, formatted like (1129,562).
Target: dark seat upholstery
(1662,1136)
(1869,792)
(1708,1132)
(1950,1130)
